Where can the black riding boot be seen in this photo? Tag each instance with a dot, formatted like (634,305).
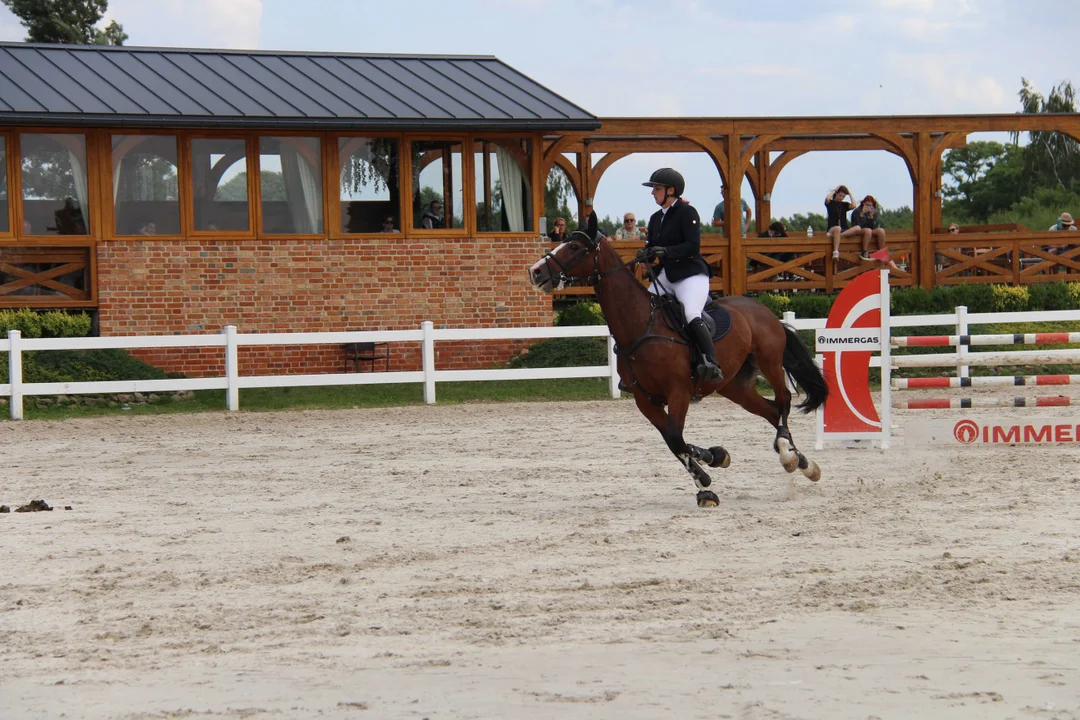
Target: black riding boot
(707,370)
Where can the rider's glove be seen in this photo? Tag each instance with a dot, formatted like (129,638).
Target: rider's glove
(650,253)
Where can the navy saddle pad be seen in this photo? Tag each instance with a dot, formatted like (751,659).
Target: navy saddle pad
(721,320)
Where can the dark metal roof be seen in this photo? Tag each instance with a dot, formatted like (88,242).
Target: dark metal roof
(171,87)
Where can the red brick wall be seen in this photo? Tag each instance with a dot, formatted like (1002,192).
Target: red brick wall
(186,286)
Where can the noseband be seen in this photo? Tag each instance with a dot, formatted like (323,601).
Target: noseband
(564,279)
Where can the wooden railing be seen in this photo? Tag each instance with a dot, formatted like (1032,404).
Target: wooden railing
(46,277)
(1007,254)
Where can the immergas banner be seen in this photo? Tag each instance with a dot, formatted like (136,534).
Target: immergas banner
(1005,431)
(840,339)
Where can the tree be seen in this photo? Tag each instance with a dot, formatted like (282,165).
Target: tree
(986,177)
(67,22)
(556,194)
(235,188)
(1052,159)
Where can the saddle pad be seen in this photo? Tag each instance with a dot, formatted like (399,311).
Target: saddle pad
(722,318)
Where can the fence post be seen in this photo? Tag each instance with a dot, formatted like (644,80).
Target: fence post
(15,374)
(428,356)
(961,350)
(232,369)
(613,369)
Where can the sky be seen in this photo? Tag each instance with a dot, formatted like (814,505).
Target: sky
(651,58)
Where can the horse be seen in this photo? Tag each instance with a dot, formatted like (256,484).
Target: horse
(654,359)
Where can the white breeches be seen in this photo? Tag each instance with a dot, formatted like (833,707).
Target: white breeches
(692,292)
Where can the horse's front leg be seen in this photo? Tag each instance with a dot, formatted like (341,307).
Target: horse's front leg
(670,424)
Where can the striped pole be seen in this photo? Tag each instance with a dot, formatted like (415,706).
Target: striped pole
(961,403)
(969,340)
(989,359)
(959,382)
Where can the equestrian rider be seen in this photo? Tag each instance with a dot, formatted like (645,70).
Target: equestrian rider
(674,238)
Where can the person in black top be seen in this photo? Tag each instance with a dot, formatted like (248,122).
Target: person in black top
(558,233)
(837,205)
(867,219)
(674,238)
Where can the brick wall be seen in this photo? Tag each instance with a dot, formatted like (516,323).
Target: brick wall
(185,286)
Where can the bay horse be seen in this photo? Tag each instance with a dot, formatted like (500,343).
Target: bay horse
(654,360)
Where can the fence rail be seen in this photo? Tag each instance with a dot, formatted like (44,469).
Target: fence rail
(231,341)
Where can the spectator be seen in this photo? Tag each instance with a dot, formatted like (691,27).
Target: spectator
(1064,222)
(837,206)
(558,233)
(866,218)
(150,228)
(777,230)
(432,219)
(629,229)
(718,216)
(388,225)
(954,229)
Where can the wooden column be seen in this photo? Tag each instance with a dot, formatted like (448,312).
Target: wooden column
(763,200)
(585,168)
(732,221)
(924,201)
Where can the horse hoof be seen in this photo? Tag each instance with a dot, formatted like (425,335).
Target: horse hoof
(707,498)
(788,457)
(812,471)
(721,459)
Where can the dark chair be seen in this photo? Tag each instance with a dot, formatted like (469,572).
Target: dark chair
(368,352)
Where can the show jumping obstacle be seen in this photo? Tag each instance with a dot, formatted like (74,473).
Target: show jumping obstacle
(859,324)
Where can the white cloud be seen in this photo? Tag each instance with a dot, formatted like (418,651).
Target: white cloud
(191,23)
(754,71)
(919,28)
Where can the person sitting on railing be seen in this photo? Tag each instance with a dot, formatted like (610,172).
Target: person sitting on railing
(867,218)
(837,208)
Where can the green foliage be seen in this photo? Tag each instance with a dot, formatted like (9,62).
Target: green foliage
(83,366)
(557,193)
(563,352)
(810,305)
(1051,159)
(981,179)
(52,324)
(586,312)
(798,223)
(1009,299)
(235,189)
(902,218)
(67,22)
(777,303)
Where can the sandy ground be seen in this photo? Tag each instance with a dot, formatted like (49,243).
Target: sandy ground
(528,561)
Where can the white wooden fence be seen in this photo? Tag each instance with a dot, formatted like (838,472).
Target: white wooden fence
(232,382)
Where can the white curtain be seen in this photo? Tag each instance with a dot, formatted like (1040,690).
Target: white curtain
(78,174)
(303,191)
(510,175)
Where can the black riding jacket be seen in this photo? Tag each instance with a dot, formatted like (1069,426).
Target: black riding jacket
(679,232)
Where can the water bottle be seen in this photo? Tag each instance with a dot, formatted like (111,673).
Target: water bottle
(810,231)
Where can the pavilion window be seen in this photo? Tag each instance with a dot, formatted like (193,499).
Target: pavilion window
(55,193)
(503,187)
(220,182)
(5,218)
(369,183)
(145,186)
(437,174)
(290,185)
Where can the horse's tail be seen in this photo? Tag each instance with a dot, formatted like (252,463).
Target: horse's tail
(802,370)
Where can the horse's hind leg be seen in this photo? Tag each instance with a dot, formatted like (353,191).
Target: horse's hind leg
(743,391)
(670,423)
(790,456)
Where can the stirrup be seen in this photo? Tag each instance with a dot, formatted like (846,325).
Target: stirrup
(623,387)
(709,372)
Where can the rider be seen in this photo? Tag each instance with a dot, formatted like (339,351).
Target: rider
(674,238)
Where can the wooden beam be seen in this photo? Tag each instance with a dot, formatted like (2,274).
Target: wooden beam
(603,164)
(924,210)
(1064,122)
(571,173)
(778,164)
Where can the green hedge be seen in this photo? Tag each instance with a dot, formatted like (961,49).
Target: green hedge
(978,298)
(52,324)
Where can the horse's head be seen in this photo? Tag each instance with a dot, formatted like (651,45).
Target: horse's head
(574,259)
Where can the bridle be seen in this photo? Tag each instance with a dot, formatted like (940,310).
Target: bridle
(562,270)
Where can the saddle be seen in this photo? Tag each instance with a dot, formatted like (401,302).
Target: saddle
(717,319)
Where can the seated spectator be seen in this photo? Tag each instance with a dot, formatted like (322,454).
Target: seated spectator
(866,219)
(150,228)
(718,216)
(388,225)
(777,229)
(954,229)
(1064,222)
(433,219)
(837,206)
(629,229)
(558,233)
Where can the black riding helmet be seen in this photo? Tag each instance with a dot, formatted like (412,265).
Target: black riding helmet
(668,177)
